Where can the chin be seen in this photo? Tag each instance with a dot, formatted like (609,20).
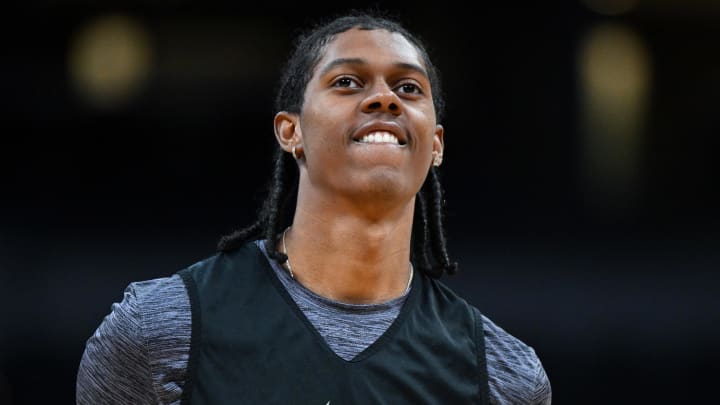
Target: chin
(383,185)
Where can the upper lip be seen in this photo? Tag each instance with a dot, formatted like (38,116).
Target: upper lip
(387,126)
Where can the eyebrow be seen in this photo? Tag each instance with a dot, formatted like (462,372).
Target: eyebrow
(360,61)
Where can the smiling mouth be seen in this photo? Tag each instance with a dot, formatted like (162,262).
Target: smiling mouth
(380,137)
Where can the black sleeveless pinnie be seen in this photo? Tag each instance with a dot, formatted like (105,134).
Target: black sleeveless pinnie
(251,344)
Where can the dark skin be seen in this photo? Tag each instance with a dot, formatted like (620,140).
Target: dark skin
(350,238)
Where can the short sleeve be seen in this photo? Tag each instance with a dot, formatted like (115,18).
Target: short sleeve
(515,373)
(114,368)
(543,390)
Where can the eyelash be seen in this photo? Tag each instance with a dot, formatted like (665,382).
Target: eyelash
(416,88)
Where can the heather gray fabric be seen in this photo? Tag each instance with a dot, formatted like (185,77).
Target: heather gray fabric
(347,328)
(139,353)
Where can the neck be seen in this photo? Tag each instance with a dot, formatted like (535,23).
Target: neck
(349,258)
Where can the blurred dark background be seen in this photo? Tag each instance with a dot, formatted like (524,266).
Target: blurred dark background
(580,173)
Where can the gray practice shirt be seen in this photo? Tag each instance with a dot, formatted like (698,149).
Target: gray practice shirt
(139,353)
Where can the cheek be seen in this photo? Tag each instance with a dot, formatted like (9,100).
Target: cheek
(427,130)
(315,112)
(323,136)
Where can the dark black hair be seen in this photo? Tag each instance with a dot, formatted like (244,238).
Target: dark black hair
(428,250)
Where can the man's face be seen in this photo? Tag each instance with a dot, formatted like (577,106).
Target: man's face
(368,122)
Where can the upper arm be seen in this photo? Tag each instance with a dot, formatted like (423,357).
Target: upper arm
(543,390)
(114,367)
(515,372)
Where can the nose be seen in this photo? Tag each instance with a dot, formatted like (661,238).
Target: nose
(382,99)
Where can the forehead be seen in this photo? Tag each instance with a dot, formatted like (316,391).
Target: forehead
(371,45)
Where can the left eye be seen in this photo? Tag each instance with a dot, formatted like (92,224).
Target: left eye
(409,88)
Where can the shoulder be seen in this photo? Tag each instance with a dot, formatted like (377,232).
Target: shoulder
(147,305)
(163,308)
(441,292)
(160,297)
(216,267)
(143,303)
(149,310)
(515,372)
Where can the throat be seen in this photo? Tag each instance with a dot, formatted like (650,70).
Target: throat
(350,258)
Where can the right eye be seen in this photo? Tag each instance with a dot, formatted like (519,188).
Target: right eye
(346,82)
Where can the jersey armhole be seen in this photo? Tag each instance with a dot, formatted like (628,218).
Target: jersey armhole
(195,335)
(483,383)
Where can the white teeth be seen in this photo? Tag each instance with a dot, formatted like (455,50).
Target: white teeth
(380,137)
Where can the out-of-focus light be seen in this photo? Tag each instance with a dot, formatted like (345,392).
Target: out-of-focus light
(109,60)
(614,71)
(614,64)
(611,7)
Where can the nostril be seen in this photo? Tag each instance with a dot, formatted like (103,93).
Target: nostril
(374,105)
(393,106)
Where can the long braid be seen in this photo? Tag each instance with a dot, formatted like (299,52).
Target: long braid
(276,203)
(234,240)
(272,215)
(439,245)
(420,232)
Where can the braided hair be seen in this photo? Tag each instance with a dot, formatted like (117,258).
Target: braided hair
(428,248)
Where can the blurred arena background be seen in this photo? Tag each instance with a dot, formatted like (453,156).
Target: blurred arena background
(580,172)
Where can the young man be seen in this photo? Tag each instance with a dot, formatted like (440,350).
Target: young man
(332,296)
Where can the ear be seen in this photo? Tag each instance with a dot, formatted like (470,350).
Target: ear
(287,130)
(438,145)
